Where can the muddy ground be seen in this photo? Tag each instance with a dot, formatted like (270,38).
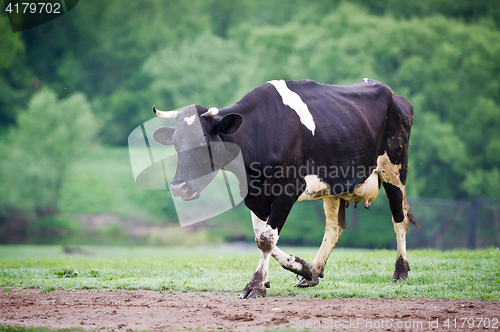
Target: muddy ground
(150,310)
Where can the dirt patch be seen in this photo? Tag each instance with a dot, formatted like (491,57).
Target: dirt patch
(150,310)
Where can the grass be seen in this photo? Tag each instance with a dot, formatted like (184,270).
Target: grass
(456,274)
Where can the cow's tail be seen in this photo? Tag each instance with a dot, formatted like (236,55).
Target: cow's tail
(403,110)
(409,214)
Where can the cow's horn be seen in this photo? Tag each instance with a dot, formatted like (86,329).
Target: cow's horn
(166,115)
(211,112)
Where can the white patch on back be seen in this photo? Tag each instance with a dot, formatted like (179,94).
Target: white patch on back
(189,120)
(294,101)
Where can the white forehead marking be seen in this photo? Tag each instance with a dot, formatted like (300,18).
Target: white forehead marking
(293,100)
(189,120)
(365,80)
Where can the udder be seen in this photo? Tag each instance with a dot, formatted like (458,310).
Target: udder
(366,191)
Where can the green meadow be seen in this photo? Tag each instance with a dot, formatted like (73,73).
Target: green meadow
(455,274)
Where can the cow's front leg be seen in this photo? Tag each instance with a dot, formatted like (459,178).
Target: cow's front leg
(335,225)
(266,241)
(266,237)
(289,262)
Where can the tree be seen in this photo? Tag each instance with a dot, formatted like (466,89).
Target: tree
(446,68)
(14,75)
(37,153)
(203,71)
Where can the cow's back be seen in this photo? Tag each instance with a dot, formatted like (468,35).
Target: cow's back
(350,123)
(342,148)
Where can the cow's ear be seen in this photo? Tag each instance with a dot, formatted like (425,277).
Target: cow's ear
(163,135)
(230,123)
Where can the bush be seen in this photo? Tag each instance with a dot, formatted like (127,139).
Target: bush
(175,236)
(54,229)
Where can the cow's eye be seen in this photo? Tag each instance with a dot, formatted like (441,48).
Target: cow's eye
(206,139)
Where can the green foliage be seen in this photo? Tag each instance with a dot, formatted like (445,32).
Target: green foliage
(105,42)
(48,137)
(486,12)
(203,71)
(67,273)
(446,68)
(51,229)
(122,57)
(440,154)
(441,55)
(14,79)
(112,234)
(176,236)
(456,274)
(101,182)
(10,44)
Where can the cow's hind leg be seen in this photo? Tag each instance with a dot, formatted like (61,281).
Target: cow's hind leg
(335,225)
(401,214)
(401,267)
(400,209)
(392,167)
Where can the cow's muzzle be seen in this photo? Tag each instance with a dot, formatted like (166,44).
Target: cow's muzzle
(181,189)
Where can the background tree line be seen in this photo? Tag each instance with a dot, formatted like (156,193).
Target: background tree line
(92,75)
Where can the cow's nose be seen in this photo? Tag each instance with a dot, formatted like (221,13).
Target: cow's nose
(178,188)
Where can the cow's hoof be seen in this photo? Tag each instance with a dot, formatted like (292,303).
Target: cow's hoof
(399,276)
(401,270)
(251,292)
(257,292)
(304,271)
(303,283)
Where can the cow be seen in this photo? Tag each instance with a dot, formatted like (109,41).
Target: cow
(301,140)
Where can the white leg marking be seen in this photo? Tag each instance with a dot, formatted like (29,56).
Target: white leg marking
(285,260)
(258,226)
(266,239)
(401,229)
(296,103)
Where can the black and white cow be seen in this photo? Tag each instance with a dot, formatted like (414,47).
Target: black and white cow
(301,141)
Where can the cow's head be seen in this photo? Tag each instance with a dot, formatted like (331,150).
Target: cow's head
(197,138)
